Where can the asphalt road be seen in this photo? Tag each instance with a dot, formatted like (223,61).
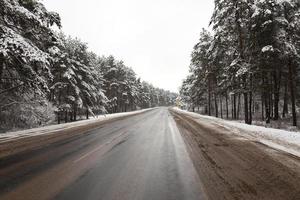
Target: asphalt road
(138,157)
(156,155)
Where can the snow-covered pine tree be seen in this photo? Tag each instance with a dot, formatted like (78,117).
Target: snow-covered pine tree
(77,84)
(25,40)
(274,34)
(203,75)
(230,19)
(254,52)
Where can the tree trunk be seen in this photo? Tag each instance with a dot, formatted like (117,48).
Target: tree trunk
(262,106)
(216,105)
(285,99)
(271,104)
(255,106)
(75,113)
(234,107)
(221,107)
(250,101)
(209,100)
(292,91)
(250,108)
(238,107)
(58,117)
(246,103)
(246,114)
(267,108)
(87,113)
(71,116)
(267,100)
(227,113)
(66,116)
(277,77)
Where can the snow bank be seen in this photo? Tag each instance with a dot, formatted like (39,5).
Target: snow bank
(8,136)
(279,139)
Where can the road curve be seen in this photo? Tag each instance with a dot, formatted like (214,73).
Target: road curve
(139,157)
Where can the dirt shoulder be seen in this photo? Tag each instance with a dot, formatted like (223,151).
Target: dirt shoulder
(233,167)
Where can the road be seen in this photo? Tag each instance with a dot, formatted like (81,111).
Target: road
(157,155)
(234,167)
(139,157)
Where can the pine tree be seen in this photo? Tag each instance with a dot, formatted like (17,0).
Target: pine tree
(25,42)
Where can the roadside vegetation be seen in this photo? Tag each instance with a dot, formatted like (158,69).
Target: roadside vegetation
(47,76)
(248,68)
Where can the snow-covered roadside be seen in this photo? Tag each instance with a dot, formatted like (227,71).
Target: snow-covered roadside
(279,139)
(8,136)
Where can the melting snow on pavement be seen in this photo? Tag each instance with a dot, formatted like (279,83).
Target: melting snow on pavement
(287,141)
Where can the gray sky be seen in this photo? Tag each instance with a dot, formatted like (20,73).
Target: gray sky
(154,37)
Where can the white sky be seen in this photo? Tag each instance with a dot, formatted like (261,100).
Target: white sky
(154,37)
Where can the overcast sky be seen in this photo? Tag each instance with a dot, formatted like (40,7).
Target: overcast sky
(154,37)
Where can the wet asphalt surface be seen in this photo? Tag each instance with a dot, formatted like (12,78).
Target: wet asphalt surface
(139,157)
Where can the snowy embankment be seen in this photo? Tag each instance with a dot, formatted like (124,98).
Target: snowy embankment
(8,136)
(278,139)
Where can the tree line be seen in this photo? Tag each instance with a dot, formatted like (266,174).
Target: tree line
(46,75)
(247,68)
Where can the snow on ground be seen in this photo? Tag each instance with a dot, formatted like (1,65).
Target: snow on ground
(8,136)
(278,139)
